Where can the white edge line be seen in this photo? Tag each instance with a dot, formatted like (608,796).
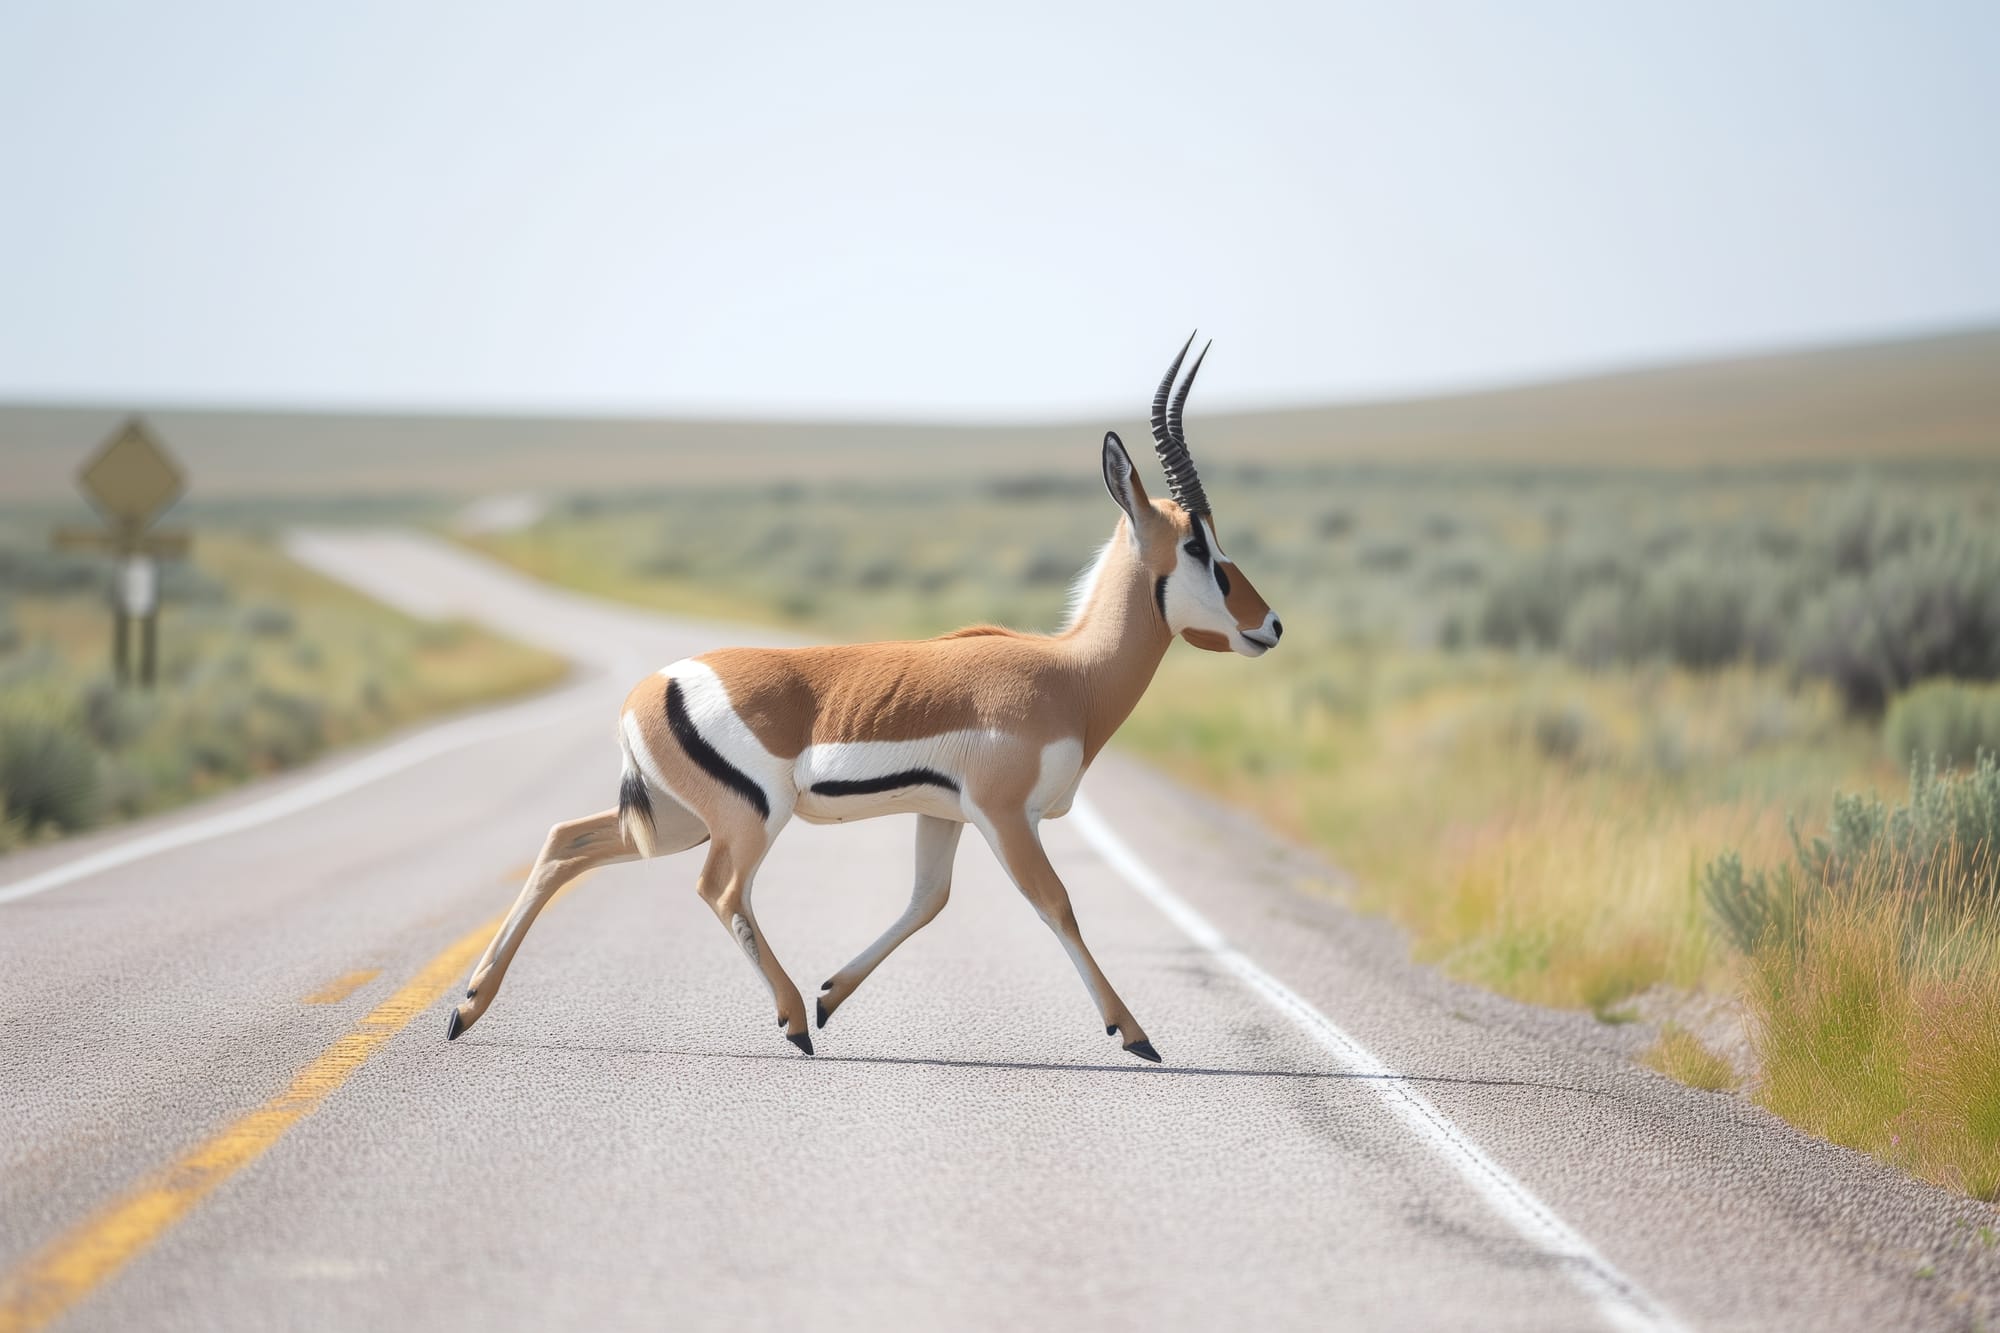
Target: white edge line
(1622,1302)
(392,759)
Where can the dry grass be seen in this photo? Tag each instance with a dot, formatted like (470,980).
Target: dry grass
(1553,861)
(1681,1056)
(1877,1021)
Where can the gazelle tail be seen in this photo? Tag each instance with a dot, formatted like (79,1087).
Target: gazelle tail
(635,806)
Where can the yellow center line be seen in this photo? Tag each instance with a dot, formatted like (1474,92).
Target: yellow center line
(73,1265)
(333,992)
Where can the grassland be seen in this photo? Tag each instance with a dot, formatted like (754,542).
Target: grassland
(1528,707)
(263,665)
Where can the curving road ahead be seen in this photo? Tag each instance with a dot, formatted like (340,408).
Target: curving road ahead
(226,1100)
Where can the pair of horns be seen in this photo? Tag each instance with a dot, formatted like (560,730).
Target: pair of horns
(1169,443)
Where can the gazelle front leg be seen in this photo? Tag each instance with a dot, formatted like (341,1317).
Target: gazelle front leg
(725,886)
(937,842)
(1017,841)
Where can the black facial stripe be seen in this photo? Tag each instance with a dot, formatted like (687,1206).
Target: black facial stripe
(1160,595)
(1221,579)
(909,777)
(710,759)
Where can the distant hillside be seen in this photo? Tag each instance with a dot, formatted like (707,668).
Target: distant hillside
(1932,398)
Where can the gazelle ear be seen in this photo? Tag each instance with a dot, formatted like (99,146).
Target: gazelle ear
(1122,480)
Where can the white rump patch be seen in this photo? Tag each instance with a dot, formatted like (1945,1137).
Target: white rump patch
(715,720)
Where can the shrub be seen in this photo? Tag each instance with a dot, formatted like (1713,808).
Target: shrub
(1919,613)
(1695,619)
(1885,595)
(289,728)
(1334,523)
(1950,719)
(1596,632)
(1385,555)
(48,774)
(115,718)
(883,572)
(1440,527)
(1050,566)
(1939,855)
(1860,535)
(34,570)
(1460,571)
(1526,607)
(1560,733)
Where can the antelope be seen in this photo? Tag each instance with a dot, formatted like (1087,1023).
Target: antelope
(985,726)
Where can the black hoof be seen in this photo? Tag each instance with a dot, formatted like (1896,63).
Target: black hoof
(1144,1050)
(819,1019)
(453,1027)
(804,1041)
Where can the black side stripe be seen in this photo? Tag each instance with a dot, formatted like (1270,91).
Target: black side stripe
(913,777)
(1160,595)
(711,760)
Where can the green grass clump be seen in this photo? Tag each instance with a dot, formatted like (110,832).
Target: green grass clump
(1680,1055)
(1873,962)
(1892,1049)
(48,776)
(1951,719)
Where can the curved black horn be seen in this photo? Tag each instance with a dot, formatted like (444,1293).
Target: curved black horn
(1162,441)
(1180,398)
(1182,480)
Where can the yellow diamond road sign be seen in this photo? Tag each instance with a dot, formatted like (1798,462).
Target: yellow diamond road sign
(132,478)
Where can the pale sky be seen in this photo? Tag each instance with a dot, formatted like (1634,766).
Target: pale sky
(956,211)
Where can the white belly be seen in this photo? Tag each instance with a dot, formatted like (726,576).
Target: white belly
(846,780)
(863,779)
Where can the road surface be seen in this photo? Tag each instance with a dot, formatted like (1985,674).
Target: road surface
(226,1100)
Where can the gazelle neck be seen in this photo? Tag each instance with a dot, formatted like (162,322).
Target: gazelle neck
(1115,638)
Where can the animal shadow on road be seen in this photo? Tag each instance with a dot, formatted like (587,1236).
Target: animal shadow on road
(1130,1070)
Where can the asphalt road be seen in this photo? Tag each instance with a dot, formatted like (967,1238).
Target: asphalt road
(226,1100)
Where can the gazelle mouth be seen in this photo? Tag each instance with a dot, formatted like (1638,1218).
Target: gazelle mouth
(1261,643)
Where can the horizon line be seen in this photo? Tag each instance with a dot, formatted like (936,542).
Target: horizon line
(880,416)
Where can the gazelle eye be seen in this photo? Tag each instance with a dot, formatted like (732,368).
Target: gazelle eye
(1193,549)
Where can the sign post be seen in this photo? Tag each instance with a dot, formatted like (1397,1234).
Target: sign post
(131,480)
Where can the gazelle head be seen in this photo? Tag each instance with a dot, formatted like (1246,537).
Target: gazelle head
(1199,592)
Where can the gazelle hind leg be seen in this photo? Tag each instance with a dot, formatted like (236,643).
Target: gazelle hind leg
(1018,844)
(937,842)
(726,877)
(569,850)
